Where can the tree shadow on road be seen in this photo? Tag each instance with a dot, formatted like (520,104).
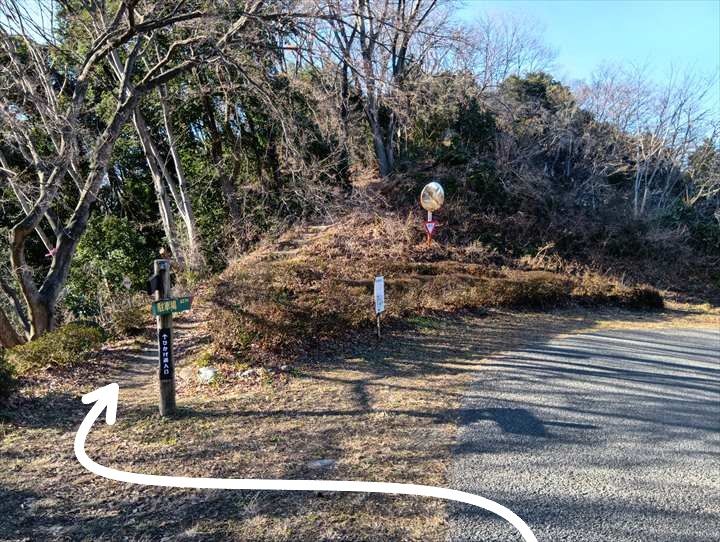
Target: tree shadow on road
(652,400)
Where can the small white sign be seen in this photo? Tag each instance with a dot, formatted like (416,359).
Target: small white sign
(379,295)
(126,282)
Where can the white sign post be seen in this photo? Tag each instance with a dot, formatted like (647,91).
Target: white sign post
(379,300)
(379,294)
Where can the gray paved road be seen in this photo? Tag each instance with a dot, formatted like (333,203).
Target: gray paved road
(609,436)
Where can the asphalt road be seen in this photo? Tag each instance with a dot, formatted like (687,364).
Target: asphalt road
(609,436)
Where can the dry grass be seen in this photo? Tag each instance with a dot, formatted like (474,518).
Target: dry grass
(676,315)
(289,296)
(383,411)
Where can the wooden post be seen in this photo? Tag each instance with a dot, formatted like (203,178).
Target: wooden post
(166,371)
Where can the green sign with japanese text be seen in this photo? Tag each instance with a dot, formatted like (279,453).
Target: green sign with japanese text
(168,306)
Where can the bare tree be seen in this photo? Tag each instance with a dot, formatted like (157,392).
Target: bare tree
(665,124)
(496,46)
(52,151)
(704,173)
(162,179)
(378,46)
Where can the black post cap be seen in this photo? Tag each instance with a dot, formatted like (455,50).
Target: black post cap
(154,284)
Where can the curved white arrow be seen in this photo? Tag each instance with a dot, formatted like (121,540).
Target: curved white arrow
(106,398)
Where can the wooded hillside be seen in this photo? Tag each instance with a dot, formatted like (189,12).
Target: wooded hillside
(202,128)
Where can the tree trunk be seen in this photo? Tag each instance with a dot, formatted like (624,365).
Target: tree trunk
(9,337)
(166,214)
(227,183)
(43,319)
(636,193)
(17,305)
(39,314)
(194,256)
(382,138)
(389,139)
(345,103)
(385,160)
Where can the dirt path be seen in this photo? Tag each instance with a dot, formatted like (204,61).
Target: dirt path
(383,412)
(137,377)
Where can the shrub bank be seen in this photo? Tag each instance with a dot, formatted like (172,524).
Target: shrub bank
(69,345)
(7,376)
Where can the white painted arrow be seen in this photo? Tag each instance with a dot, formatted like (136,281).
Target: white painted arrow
(106,398)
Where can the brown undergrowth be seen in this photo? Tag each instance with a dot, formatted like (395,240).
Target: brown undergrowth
(276,304)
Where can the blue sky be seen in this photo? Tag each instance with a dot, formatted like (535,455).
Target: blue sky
(586,33)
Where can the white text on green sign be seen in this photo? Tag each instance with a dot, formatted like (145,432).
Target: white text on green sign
(168,306)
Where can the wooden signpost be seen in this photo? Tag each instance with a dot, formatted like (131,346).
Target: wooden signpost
(160,283)
(163,308)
